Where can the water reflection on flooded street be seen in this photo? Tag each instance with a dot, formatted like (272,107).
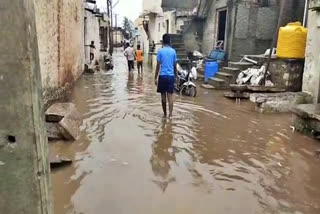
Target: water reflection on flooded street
(213,157)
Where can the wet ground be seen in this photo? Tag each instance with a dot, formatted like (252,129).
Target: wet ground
(213,157)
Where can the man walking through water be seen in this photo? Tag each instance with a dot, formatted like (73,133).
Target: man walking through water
(130,55)
(165,74)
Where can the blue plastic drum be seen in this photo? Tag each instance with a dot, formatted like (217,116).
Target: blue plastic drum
(211,68)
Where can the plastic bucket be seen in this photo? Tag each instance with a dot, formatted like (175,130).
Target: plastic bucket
(211,68)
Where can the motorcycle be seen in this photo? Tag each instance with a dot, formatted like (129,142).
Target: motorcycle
(108,62)
(185,82)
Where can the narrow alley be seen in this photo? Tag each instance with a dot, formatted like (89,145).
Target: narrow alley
(214,156)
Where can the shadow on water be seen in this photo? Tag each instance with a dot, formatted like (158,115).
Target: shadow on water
(213,156)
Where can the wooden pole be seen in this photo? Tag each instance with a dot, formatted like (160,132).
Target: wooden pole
(275,38)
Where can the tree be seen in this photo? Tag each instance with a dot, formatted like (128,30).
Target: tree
(128,27)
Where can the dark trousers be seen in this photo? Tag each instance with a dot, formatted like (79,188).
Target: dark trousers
(130,65)
(91,57)
(140,66)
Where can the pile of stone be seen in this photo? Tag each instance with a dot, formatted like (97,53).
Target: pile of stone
(63,122)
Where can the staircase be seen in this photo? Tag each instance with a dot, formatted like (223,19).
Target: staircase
(228,75)
(177,43)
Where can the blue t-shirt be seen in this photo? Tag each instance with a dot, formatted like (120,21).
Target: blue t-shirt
(167,57)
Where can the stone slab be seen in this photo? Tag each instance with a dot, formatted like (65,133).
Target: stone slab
(309,127)
(307,111)
(265,89)
(53,132)
(234,95)
(58,161)
(58,111)
(207,86)
(235,87)
(69,126)
(279,102)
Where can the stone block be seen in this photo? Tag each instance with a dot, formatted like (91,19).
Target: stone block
(307,111)
(287,73)
(58,111)
(279,102)
(240,88)
(235,95)
(69,126)
(53,132)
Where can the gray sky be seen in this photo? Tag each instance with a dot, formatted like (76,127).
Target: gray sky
(130,8)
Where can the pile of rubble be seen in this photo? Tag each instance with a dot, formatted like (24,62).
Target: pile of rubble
(63,123)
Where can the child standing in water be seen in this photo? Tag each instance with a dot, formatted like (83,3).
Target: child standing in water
(139,56)
(166,72)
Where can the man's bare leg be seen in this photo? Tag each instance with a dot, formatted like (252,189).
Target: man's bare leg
(164,103)
(170,101)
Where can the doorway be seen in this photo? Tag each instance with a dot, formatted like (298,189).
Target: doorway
(221,27)
(167,25)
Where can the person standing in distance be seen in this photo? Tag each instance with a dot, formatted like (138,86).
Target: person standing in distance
(139,56)
(166,71)
(129,53)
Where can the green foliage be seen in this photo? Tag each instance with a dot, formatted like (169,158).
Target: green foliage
(128,27)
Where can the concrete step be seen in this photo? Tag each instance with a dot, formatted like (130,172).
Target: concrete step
(177,45)
(218,83)
(200,77)
(207,86)
(182,52)
(240,65)
(229,78)
(230,70)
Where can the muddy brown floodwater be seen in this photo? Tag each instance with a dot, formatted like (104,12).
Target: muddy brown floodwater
(213,157)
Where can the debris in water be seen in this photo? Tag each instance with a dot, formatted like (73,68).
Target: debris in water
(113,160)
(125,163)
(2,163)
(293,128)
(279,164)
(58,161)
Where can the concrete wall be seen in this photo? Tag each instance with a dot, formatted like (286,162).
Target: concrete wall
(25,171)
(209,33)
(92,29)
(61,45)
(152,6)
(192,36)
(253,30)
(311,80)
(182,4)
(142,39)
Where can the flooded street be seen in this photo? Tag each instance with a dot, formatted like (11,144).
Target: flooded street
(213,157)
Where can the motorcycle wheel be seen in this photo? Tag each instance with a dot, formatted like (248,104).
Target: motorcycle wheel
(188,90)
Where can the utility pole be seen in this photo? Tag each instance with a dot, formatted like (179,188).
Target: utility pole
(110,15)
(116,27)
(24,166)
